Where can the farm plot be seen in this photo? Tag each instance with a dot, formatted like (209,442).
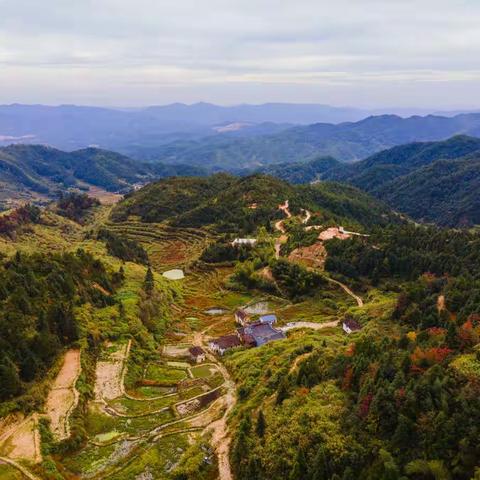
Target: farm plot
(165,376)
(204,371)
(63,397)
(176,351)
(7,472)
(110,372)
(195,404)
(21,440)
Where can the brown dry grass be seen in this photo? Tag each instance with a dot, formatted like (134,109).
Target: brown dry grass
(313,256)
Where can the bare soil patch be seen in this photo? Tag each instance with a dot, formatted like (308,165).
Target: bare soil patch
(63,397)
(176,351)
(109,373)
(22,440)
(312,256)
(333,232)
(105,198)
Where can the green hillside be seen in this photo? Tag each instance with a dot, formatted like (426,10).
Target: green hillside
(445,192)
(301,172)
(432,182)
(241,205)
(35,172)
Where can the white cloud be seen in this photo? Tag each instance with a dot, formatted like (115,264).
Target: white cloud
(229,51)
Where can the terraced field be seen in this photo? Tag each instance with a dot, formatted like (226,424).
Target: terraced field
(166,246)
(145,430)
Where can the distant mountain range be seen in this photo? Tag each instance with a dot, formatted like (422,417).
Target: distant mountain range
(234,137)
(346,142)
(72,127)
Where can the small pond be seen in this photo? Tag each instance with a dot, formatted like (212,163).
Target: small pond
(216,311)
(175,274)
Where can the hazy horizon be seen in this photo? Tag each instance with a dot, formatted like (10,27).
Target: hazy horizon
(368,55)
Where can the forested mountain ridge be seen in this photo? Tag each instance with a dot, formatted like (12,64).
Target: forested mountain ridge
(37,171)
(373,172)
(429,181)
(229,203)
(398,399)
(446,192)
(300,172)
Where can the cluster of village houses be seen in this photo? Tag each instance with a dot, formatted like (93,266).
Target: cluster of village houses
(249,333)
(253,333)
(259,332)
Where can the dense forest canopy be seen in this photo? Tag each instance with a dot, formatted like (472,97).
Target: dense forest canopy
(38,296)
(242,205)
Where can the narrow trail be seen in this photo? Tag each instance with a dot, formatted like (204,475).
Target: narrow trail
(219,429)
(279,226)
(348,291)
(299,359)
(441,303)
(19,467)
(308,216)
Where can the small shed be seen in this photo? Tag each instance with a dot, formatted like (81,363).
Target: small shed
(350,325)
(197,354)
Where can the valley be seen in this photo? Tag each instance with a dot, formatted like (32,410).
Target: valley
(134,410)
(136,389)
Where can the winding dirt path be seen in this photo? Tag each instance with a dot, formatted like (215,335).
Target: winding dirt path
(279,226)
(441,303)
(19,467)
(284,238)
(348,291)
(308,216)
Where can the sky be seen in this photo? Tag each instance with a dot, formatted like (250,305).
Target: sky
(361,53)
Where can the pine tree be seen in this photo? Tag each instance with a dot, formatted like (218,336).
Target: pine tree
(261,425)
(148,283)
(299,469)
(9,379)
(283,390)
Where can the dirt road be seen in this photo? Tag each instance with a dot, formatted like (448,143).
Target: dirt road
(308,216)
(20,468)
(312,325)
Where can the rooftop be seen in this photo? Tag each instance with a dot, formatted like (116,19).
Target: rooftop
(270,318)
(227,341)
(242,314)
(263,332)
(352,324)
(196,351)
